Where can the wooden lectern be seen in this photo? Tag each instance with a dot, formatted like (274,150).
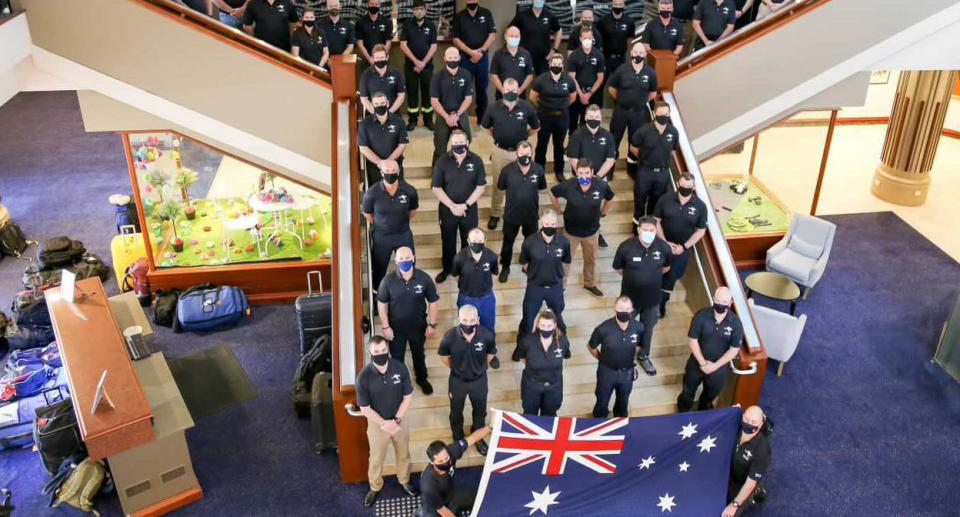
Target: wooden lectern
(664,63)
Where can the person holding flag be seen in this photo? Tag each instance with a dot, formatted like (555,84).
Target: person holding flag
(751,459)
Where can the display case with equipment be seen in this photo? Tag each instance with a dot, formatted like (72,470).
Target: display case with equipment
(752,218)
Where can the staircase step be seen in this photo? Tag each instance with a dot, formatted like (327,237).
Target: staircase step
(429,231)
(430,213)
(621,184)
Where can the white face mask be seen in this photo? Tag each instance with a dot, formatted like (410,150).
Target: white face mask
(587,44)
(648,237)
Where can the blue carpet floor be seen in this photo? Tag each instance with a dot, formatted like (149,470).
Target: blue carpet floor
(866,425)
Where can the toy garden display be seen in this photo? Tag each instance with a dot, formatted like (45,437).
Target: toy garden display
(272,222)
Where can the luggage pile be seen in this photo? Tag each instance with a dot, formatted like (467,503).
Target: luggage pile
(312,390)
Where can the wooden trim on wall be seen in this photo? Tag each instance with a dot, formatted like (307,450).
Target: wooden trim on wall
(132,171)
(237,39)
(11,16)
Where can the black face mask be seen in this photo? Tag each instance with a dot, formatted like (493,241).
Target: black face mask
(638,59)
(685,191)
(453,65)
(593,123)
(511,96)
(380,64)
(468,329)
(662,119)
(473,6)
(524,160)
(720,308)
(334,13)
(380,110)
(623,317)
(587,23)
(546,334)
(390,179)
(747,428)
(380,359)
(549,232)
(666,14)
(373,9)
(308,23)
(458,149)
(617,10)
(556,69)
(476,247)
(443,467)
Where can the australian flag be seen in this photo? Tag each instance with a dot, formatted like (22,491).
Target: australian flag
(675,465)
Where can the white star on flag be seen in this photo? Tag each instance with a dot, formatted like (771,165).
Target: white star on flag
(707,443)
(646,462)
(666,503)
(688,430)
(684,466)
(542,501)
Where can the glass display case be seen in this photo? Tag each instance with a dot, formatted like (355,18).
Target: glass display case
(202,207)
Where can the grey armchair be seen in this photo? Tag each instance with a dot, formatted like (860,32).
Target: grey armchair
(779,331)
(803,252)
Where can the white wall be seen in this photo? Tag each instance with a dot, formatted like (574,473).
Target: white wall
(15,46)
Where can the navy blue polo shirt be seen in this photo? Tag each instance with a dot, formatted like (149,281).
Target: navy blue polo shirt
(374,32)
(391,214)
(714,18)
(573,42)
(545,260)
(715,338)
(475,277)
(543,366)
(597,147)
(407,299)
(581,216)
(663,37)
(451,89)
(617,33)
(383,138)
(505,65)
(339,34)
(536,32)
(680,221)
(436,490)
(655,147)
(391,83)
(459,181)
(468,359)
(419,37)
(586,67)
(271,22)
(510,125)
(618,348)
(554,94)
(642,270)
(384,392)
(473,30)
(634,87)
(523,192)
(311,44)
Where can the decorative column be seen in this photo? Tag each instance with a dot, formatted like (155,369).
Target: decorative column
(916,120)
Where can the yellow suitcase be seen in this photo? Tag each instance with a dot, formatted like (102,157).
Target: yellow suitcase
(125,249)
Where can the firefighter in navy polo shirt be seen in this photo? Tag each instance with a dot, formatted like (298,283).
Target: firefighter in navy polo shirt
(309,42)
(382,77)
(595,144)
(665,33)
(713,20)
(271,22)
(539,33)
(512,62)
(442,492)
(467,350)
(651,147)
(521,183)
(715,338)
(543,352)
(552,93)
(474,268)
(339,32)
(586,66)
(418,41)
(407,307)
(614,343)
(617,29)
(388,206)
(451,92)
(374,29)
(586,22)
(681,222)
(633,86)
(381,136)
(473,31)
(643,261)
(751,460)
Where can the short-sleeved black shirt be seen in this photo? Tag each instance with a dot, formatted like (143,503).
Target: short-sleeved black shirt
(683,9)
(655,147)
(384,138)
(573,42)
(391,214)
(545,260)
(391,83)
(510,126)
(679,222)
(581,216)
(642,270)
(271,23)
(633,87)
(586,67)
(407,299)
(618,348)
(523,192)
(451,89)
(311,44)
(715,338)
(543,366)
(597,147)
(554,95)
(468,359)
(473,30)
(436,490)
(663,37)
(459,180)
(419,37)
(475,277)
(339,34)
(384,392)
(506,65)
(750,460)
(617,33)
(374,32)
(536,32)
(715,18)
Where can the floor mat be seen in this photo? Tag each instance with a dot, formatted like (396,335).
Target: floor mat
(211,380)
(401,507)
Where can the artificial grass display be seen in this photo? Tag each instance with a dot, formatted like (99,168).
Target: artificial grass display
(754,211)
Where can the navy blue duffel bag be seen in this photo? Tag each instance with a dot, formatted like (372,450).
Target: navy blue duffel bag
(209,307)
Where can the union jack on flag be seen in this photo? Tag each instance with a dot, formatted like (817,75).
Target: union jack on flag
(675,465)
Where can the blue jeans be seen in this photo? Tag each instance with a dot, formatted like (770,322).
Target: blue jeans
(481,78)
(227,19)
(486,308)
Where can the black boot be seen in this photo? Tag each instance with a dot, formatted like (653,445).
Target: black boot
(412,124)
(428,121)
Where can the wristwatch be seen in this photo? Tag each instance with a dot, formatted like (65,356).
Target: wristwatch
(432,325)
(397,420)
(735,504)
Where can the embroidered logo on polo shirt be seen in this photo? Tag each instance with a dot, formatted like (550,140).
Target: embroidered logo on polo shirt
(673,32)
(623,27)
(564,86)
(481,19)
(692,210)
(747,454)
(461,81)
(418,289)
(644,78)
(726,10)
(656,255)
(633,338)
(559,252)
(382,27)
(470,167)
(486,266)
(426,30)
(533,178)
(391,79)
(392,128)
(593,61)
(544,20)
(602,140)
(343,30)
(478,346)
(396,378)
(596,195)
(727,330)
(402,198)
(281,8)
(521,62)
(519,115)
(558,353)
(669,137)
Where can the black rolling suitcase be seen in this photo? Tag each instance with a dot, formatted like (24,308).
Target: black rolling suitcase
(314,313)
(323,434)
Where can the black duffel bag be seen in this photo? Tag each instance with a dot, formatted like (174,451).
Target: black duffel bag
(59,252)
(56,434)
(165,307)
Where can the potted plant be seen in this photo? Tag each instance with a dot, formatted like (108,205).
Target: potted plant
(157,179)
(183,179)
(190,211)
(171,210)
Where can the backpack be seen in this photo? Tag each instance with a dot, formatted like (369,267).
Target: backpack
(76,483)
(165,307)
(59,252)
(34,316)
(56,434)
(89,266)
(135,278)
(24,299)
(16,418)
(125,212)
(24,338)
(316,360)
(12,241)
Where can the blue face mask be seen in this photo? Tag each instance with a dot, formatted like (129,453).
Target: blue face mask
(538,4)
(648,237)
(513,42)
(584,182)
(405,266)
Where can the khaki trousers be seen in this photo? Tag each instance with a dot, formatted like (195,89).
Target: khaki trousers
(499,159)
(589,257)
(379,441)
